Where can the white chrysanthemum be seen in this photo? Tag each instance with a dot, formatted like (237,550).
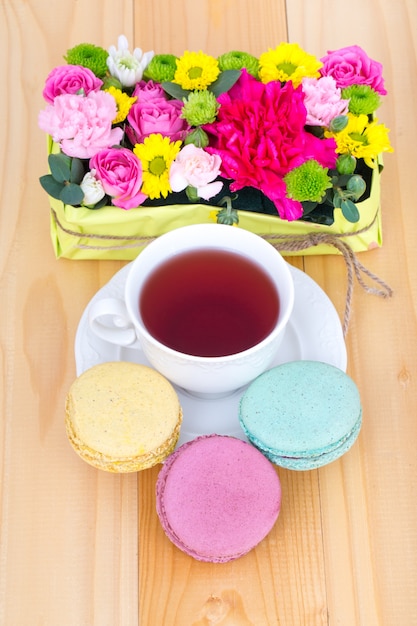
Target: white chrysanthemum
(92,188)
(126,66)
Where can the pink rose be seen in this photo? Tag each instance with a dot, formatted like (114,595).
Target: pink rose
(82,125)
(70,79)
(322,100)
(196,168)
(148,90)
(156,116)
(352,66)
(120,172)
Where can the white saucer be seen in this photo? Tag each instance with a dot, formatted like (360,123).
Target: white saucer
(313,333)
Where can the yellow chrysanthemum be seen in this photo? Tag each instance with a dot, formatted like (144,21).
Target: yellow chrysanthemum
(362,139)
(156,154)
(288,62)
(123,103)
(196,70)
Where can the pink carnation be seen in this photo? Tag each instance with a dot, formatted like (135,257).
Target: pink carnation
(156,115)
(323,100)
(352,66)
(82,125)
(120,172)
(260,136)
(70,79)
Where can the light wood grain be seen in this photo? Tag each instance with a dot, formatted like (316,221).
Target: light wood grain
(370,538)
(79,547)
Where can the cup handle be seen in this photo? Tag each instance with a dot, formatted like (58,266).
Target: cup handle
(108,319)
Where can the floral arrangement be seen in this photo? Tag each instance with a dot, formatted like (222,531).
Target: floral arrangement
(286,134)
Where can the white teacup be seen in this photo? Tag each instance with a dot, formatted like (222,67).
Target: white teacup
(120,321)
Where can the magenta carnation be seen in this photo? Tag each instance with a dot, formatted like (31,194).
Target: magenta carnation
(352,66)
(260,136)
(70,79)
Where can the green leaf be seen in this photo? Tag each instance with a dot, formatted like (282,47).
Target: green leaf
(99,204)
(60,166)
(225,81)
(350,211)
(77,171)
(174,90)
(308,206)
(337,201)
(72,194)
(51,186)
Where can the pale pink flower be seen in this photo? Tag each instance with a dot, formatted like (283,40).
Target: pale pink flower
(193,167)
(82,125)
(70,79)
(323,100)
(352,66)
(120,172)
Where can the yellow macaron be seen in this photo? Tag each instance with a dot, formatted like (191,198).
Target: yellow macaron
(122,417)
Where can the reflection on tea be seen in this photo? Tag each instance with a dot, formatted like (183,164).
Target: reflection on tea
(209,302)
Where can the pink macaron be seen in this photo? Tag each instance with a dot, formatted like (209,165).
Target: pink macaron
(217,497)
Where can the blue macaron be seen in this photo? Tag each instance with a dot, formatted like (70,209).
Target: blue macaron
(302,415)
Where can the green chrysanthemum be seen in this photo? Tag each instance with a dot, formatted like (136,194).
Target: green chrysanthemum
(88,55)
(237,60)
(308,182)
(162,68)
(200,108)
(363,100)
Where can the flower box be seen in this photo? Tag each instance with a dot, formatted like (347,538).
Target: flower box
(79,233)
(140,144)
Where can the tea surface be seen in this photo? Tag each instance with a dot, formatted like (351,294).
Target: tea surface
(209,302)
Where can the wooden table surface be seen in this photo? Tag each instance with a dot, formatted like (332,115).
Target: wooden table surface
(80,547)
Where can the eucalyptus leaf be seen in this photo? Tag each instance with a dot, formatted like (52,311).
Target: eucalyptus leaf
(337,201)
(60,166)
(51,186)
(224,82)
(350,211)
(174,90)
(77,171)
(72,194)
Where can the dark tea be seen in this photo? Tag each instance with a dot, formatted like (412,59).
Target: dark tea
(209,302)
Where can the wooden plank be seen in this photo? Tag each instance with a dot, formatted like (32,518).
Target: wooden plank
(68,538)
(369,534)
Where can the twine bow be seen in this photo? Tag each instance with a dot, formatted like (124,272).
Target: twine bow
(283,243)
(293,243)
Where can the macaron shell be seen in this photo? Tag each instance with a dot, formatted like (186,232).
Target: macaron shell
(315,461)
(302,410)
(122,417)
(217,498)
